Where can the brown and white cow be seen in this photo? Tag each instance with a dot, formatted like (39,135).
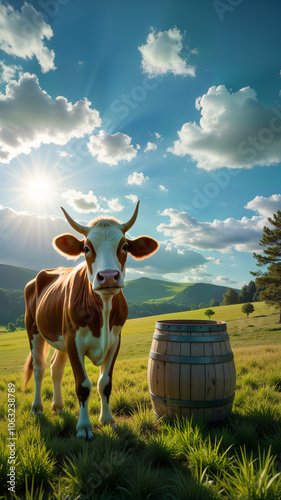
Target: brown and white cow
(80,311)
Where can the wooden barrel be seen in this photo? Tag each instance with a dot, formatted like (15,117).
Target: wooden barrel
(191,370)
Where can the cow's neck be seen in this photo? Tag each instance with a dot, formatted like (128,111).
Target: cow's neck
(88,308)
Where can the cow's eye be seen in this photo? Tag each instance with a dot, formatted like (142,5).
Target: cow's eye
(86,249)
(126,247)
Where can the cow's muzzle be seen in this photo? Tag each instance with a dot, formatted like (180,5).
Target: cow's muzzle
(109,281)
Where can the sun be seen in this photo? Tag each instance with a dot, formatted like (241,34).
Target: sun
(39,190)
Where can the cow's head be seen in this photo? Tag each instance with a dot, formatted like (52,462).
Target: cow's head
(105,247)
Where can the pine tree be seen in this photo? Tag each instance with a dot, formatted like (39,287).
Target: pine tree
(244,295)
(270,280)
(251,289)
(230,297)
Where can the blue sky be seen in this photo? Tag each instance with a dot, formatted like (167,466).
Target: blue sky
(175,103)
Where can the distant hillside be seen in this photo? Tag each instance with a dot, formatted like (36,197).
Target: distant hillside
(144,289)
(146,296)
(200,293)
(15,278)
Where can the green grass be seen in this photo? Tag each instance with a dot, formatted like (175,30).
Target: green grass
(144,458)
(260,329)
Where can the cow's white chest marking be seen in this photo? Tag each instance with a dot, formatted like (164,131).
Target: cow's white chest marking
(96,348)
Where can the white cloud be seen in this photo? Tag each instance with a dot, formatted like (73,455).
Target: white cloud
(221,235)
(151,146)
(88,202)
(29,117)
(81,202)
(132,197)
(265,206)
(22,34)
(115,205)
(9,72)
(217,262)
(112,149)
(158,136)
(65,154)
(235,131)
(224,280)
(161,54)
(197,274)
(137,178)
(162,188)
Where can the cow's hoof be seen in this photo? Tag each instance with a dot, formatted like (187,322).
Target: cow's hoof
(85,434)
(36,410)
(56,409)
(108,421)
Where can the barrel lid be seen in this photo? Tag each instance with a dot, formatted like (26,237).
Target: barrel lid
(188,325)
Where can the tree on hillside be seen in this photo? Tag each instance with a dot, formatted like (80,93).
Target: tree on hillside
(248,308)
(270,280)
(11,327)
(214,303)
(202,305)
(20,321)
(209,313)
(230,297)
(244,295)
(247,292)
(251,289)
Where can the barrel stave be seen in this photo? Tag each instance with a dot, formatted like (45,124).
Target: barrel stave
(210,392)
(185,378)
(197,382)
(172,379)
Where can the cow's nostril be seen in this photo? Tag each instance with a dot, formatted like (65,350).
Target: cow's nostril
(116,277)
(100,277)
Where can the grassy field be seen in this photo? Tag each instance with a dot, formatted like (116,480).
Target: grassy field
(143,458)
(137,333)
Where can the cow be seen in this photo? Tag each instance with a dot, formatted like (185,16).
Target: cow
(80,311)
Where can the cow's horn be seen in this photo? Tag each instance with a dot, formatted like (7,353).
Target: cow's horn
(127,225)
(78,227)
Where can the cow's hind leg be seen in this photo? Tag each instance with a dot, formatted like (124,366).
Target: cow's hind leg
(39,351)
(58,363)
(82,386)
(105,382)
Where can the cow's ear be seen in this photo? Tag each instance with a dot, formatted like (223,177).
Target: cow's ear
(142,247)
(69,246)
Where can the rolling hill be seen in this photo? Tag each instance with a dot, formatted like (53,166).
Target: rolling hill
(144,289)
(15,278)
(200,293)
(146,296)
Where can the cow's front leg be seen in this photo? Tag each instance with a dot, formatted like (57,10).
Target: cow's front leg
(83,388)
(105,382)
